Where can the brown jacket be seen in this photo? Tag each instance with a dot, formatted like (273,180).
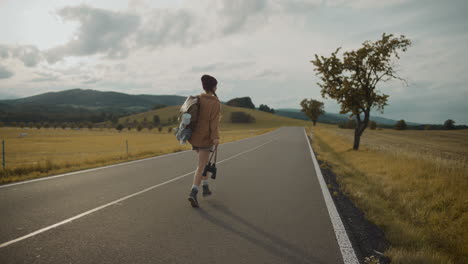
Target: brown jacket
(206,129)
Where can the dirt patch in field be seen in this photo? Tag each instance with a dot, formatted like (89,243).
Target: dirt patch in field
(367,239)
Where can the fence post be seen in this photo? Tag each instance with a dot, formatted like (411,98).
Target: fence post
(126,143)
(3,153)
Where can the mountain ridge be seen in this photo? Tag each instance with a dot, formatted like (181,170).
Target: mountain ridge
(80,105)
(89,97)
(92,105)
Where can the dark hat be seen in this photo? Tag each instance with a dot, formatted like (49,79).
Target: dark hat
(208,82)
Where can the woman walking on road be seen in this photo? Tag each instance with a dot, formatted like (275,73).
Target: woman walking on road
(205,136)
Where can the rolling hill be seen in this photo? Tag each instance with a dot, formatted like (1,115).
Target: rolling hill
(80,105)
(263,119)
(92,99)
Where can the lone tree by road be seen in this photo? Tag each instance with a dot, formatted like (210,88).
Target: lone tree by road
(401,125)
(449,124)
(352,80)
(313,109)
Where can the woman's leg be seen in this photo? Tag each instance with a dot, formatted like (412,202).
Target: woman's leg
(203,156)
(202,160)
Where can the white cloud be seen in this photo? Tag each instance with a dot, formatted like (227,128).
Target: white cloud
(168,27)
(5,73)
(100,31)
(254,48)
(28,54)
(222,66)
(236,14)
(364,4)
(43,76)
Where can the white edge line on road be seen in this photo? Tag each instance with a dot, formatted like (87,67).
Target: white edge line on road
(346,248)
(118,164)
(117,201)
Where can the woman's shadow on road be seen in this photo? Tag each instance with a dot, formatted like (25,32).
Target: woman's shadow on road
(270,242)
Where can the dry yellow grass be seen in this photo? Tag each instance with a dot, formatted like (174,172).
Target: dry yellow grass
(51,151)
(411,183)
(447,147)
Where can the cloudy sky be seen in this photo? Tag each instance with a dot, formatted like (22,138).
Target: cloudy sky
(256,48)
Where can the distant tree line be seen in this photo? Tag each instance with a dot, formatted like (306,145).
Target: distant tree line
(63,116)
(402,125)
(145,123)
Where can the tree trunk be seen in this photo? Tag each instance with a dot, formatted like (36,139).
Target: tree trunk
(360,127)
(357,138)
(314,121)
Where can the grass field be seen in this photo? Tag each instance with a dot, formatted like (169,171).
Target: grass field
(411,183)
(51,151)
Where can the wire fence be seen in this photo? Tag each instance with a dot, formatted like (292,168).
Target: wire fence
(3,154)
(73,148)
(14,159)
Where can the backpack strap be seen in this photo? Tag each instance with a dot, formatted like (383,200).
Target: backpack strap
(214,154)
(198,109)
(191,100)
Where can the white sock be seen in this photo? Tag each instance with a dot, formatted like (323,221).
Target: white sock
(195,187)
(204,182)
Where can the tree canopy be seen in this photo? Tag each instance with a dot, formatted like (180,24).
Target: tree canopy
(352,80)
(313,109)
(449,124)
(245,102)
(265,108)
(401,125)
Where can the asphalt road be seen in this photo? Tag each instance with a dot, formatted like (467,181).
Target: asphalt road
(266,207)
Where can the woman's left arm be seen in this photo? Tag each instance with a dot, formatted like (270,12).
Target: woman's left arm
(214,121)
